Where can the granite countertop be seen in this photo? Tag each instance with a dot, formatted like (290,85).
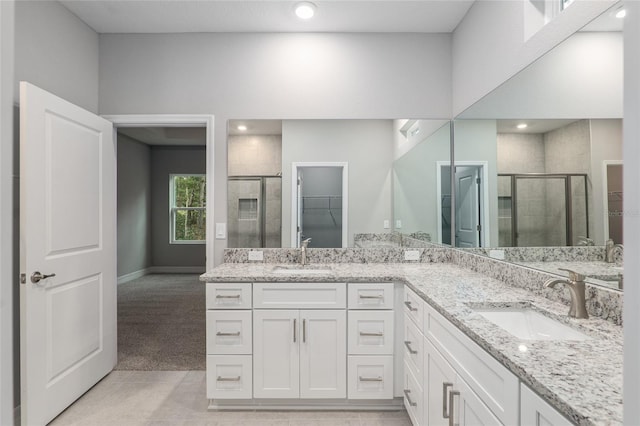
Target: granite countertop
(601,273)
(582,379)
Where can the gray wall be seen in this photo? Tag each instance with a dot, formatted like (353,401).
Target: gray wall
(274,76)
(254,155)
(166,161)
(365,144)
(57,52)
(134,205)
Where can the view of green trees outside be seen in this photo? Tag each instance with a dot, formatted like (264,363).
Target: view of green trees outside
(189,194)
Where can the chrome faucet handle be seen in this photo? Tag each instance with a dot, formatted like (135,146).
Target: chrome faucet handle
(573,275)
(305,242)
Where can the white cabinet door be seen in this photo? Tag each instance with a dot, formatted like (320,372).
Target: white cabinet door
(469,410)
(275,354)
(534,411)
(439,381)
(323,354)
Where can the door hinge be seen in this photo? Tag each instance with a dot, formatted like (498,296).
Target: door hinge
(478,181)
(479,228)
(23,278)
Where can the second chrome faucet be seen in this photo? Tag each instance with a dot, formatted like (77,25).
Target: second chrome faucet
(576,286)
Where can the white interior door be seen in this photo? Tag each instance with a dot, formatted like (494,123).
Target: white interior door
(467,207)
(67,228)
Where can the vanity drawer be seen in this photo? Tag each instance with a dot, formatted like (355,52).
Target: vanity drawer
(228,295)
(413,347)
(370,332)
(299,295)
(413,306)
(229,332)
(413,397)
(370,296)
(370,377)
(229,377)
(490,380)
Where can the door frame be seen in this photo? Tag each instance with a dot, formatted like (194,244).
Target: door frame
(182,120)
(605,194)
(485,223)
(345,197)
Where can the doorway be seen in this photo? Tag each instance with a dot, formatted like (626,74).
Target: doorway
(319,204)
(162,226)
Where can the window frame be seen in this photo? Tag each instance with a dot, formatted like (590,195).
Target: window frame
(173,208)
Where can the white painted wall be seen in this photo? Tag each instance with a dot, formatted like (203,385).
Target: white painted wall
(580,78)
(275,76)
(415,195)
(631,152)
(57,52)
(491,44)
(403,144)
(7,274)
(365,145)
(134,206)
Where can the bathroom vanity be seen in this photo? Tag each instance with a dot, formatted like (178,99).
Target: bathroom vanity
(379,336)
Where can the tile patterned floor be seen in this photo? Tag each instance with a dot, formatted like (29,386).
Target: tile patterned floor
(177,398)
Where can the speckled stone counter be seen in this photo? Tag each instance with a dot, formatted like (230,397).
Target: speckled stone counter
(582,379)
(602,273)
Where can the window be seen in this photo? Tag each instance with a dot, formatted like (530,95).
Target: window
(187,199)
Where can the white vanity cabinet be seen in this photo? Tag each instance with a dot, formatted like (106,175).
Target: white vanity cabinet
(299,353)
(370,341)
(534,411)
(447,374)
(229,341)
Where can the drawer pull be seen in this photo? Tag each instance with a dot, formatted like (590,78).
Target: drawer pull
(407,343)
(451,410)
(295,329)
(411,308)
(370,379)
(223,296)
(304,331)
(406,395)
(445,386)
(377,333)
(364,296)
(228,379)
(220,333)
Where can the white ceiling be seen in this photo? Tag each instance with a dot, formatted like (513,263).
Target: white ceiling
(533,126)
(167,136)
(179,16)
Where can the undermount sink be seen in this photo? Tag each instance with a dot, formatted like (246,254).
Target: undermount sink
(529,324)
(301,270)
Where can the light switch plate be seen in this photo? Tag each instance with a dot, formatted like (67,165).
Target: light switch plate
(398,224)
(385,224)
(411,255)
(256,255)
(221,231)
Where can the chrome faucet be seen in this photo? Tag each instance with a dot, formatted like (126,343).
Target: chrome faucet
(610,250)
(303,251)
(576,286)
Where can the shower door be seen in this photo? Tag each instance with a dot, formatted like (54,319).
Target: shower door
(254,211)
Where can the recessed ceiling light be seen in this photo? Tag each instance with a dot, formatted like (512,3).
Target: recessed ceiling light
(522,126)
(621,13)
(305,10)
(242,127)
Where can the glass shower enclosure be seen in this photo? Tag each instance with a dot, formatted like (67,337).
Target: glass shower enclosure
(542,209)
(255,207)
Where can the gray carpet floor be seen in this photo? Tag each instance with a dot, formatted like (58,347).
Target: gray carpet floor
(161,323)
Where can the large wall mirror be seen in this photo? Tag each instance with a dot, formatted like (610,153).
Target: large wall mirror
(342,183)
(538,162)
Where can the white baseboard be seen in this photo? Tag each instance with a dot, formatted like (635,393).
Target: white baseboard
(177,270)
(133,275)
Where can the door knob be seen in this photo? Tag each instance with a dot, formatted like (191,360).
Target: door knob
(36,277)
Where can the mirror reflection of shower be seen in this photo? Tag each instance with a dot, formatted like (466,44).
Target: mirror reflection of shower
(254,188)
